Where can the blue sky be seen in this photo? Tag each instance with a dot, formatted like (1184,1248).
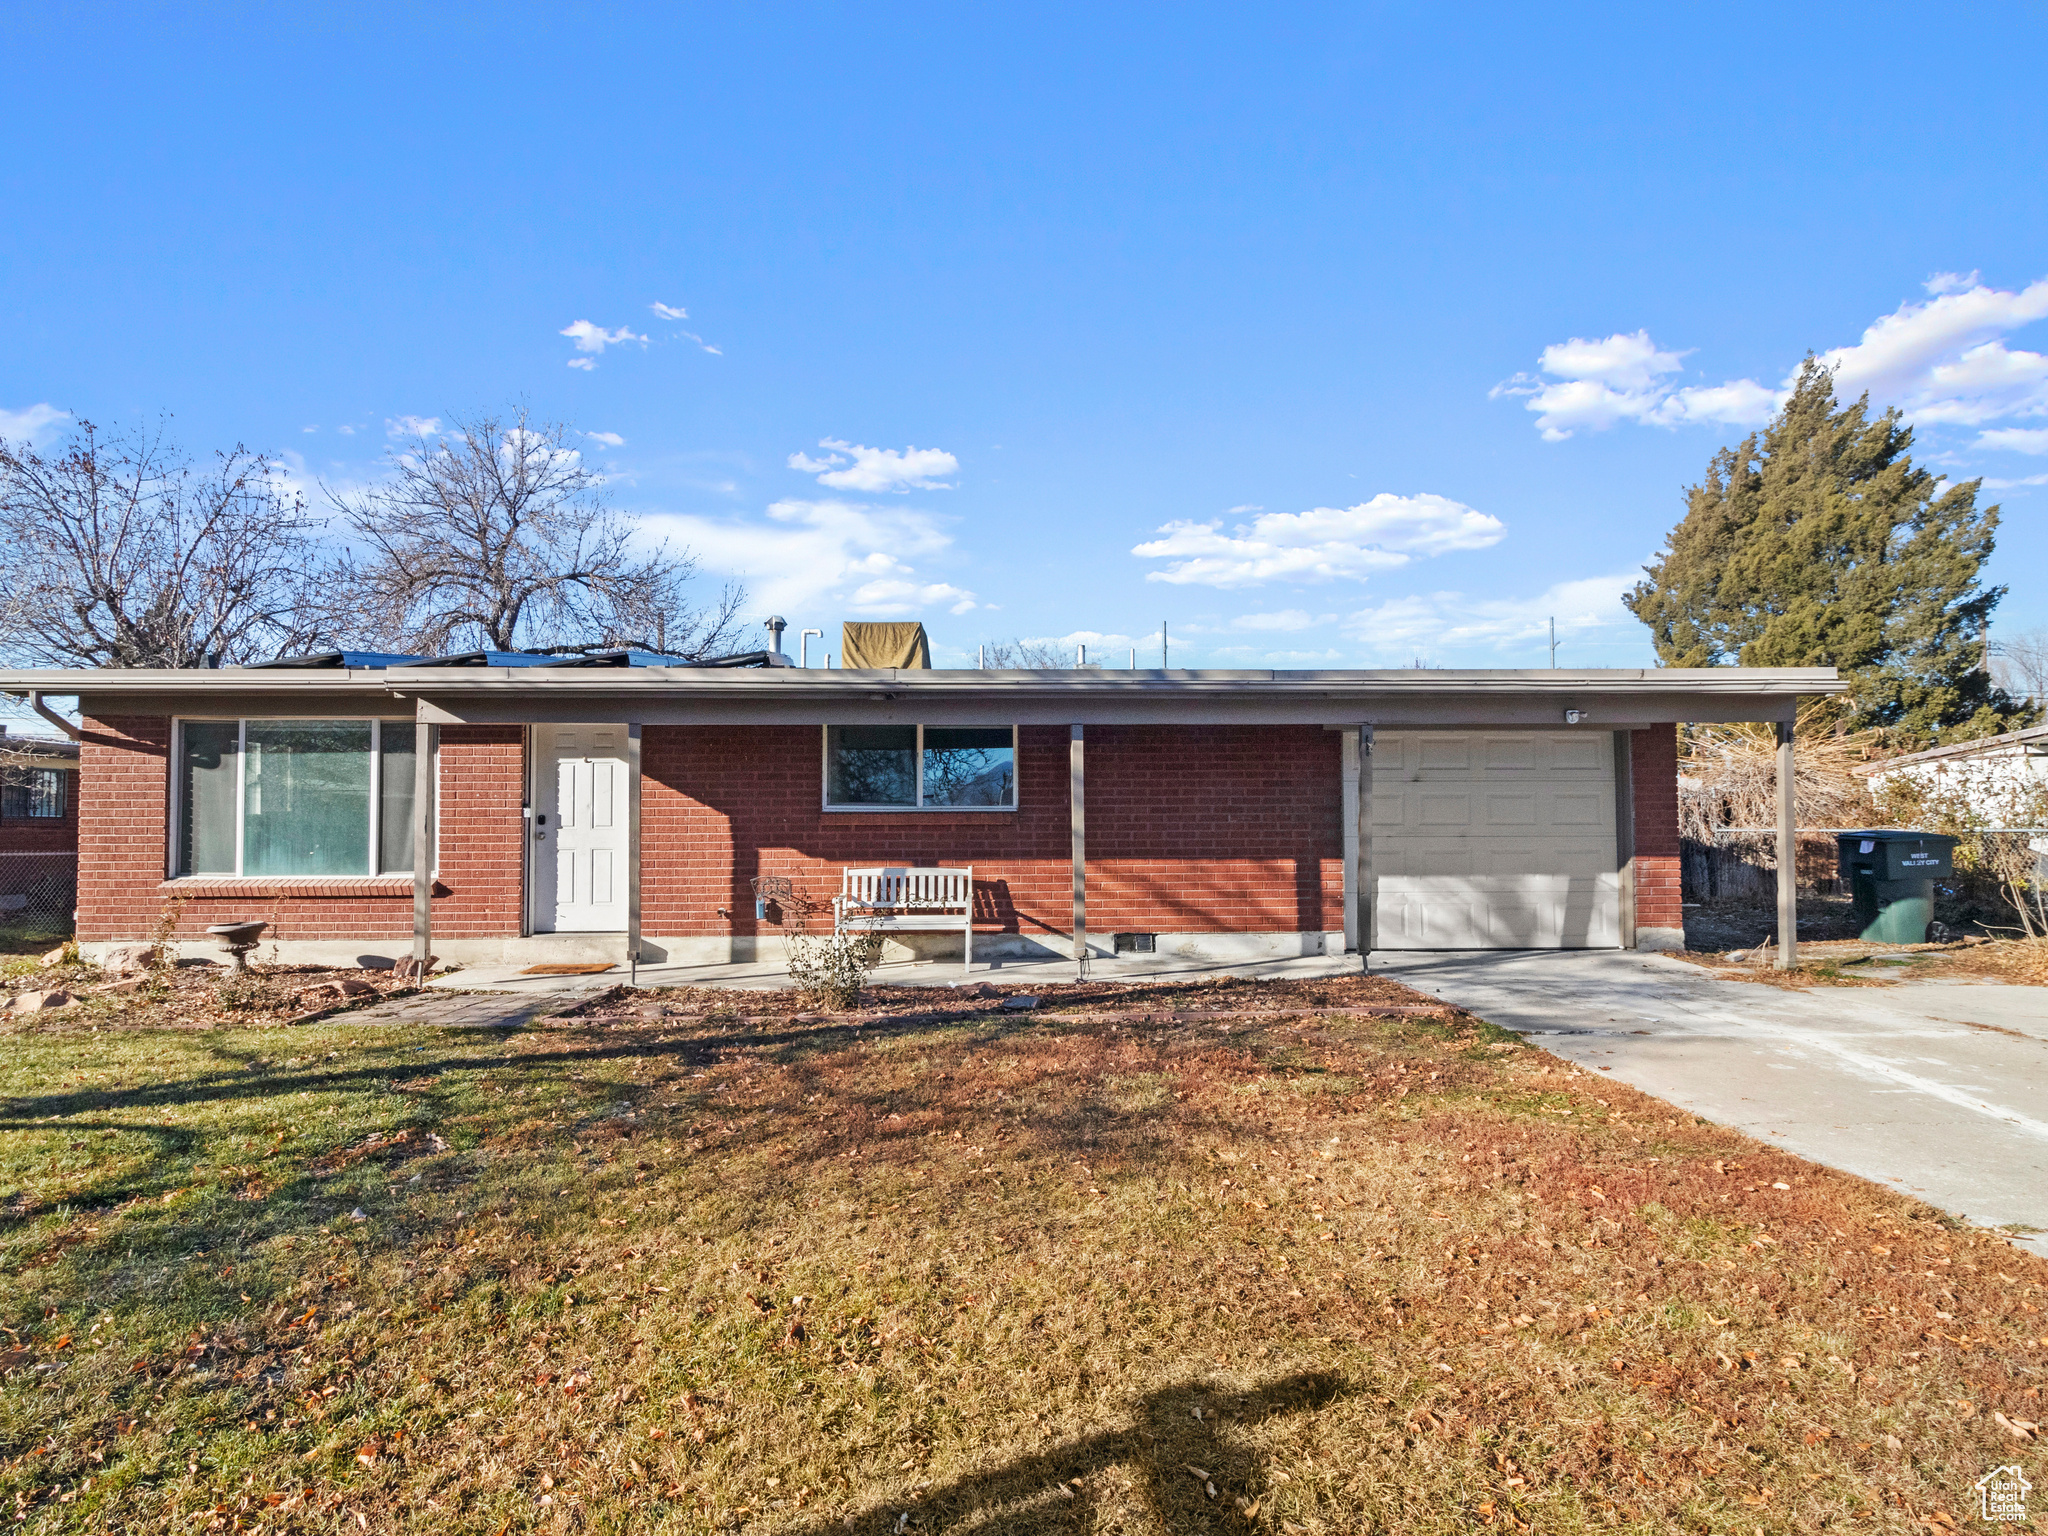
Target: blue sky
(1335,336)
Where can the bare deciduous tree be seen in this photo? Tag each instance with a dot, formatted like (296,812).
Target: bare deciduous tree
(118,552)
(1024,656)
(2019,662)
(498,536)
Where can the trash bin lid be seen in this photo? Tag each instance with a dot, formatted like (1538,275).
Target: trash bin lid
(1868,842)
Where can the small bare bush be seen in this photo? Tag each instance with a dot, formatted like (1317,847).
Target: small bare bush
(831,968)
(2005,862)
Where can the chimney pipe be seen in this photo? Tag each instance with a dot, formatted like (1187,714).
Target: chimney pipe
(776,625)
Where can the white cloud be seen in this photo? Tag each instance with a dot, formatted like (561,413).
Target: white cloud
(1441,621)
(852,467)
(1943,361)
(2013,485)
(677,312)
(593,339)
(1324,544)
(30,425)
(818,557)
(346,431)
(1626,377)
(2015,439)
(609,439)
(411,426)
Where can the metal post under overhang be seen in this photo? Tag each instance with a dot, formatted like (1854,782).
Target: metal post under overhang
(422,846)
(633,853)
(1077,819)
(1355,816)
(1788,854)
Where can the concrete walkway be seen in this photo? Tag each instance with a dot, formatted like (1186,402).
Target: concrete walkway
(1020,975)
(1937,1089)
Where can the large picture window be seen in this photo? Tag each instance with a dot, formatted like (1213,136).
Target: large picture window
(294,797)
(920,767)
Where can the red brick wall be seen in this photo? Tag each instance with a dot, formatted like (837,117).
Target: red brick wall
(1653,761)
(1210,828)
(124,801)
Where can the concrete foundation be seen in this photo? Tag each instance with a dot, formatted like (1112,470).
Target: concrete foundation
(1660,938)
(587,948)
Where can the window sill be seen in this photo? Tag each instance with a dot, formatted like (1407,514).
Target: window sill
(292,885)
(920,810)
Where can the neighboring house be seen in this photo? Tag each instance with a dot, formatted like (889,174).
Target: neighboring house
(2003,779)
(629,803)
(38,832)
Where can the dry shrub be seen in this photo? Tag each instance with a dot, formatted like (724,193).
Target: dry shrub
(1728,775)
(831,968)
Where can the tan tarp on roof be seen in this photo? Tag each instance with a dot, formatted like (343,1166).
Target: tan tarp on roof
(884,645)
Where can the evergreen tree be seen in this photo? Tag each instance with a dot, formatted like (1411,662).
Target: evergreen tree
(1818,543)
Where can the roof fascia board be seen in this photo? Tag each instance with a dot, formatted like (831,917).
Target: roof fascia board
(907,708)
(778,681)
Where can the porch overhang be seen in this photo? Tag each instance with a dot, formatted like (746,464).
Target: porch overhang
(1604,699)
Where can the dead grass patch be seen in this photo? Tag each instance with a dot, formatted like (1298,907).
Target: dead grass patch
(942,1269)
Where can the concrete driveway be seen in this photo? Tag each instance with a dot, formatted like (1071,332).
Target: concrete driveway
(1937,1089)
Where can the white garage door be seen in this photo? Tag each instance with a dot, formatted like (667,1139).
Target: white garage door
(1495,840)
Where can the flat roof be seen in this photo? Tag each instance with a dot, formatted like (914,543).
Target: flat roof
(1611,696)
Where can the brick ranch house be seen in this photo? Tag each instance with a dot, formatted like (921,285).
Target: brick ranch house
(623,806)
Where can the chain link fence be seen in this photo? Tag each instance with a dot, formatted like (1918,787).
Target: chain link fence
(1995,868)
(38,897)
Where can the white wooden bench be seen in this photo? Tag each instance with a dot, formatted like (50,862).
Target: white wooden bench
(890,899)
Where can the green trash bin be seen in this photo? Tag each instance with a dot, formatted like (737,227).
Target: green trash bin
(1890,874)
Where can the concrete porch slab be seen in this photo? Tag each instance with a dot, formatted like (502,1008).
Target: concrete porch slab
(1021,975)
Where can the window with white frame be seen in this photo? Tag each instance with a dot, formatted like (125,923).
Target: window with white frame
(294,797)
(920,767)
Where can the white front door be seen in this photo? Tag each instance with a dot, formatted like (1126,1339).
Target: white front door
(579,829)
(1495,840)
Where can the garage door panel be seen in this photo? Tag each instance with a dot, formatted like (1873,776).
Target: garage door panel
(1580,808)
(1495,840)
(1576,754)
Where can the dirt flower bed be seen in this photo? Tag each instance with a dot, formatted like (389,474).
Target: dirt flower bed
(695,1262)
(80,996)
(1856,963)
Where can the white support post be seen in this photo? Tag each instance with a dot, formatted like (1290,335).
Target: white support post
(1788,854)
(633,854)
(422,847)
(1077,818)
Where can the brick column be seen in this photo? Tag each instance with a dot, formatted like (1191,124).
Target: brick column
(1653,763)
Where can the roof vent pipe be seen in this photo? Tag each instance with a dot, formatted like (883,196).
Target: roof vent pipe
(776,625)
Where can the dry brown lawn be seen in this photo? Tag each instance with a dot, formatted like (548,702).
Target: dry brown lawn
(702,1262)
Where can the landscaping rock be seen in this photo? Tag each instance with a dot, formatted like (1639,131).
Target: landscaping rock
(41,1002)
(410,969)
(354,986)
(127,984)
(54,957)
(127,959)
(1020,1002)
